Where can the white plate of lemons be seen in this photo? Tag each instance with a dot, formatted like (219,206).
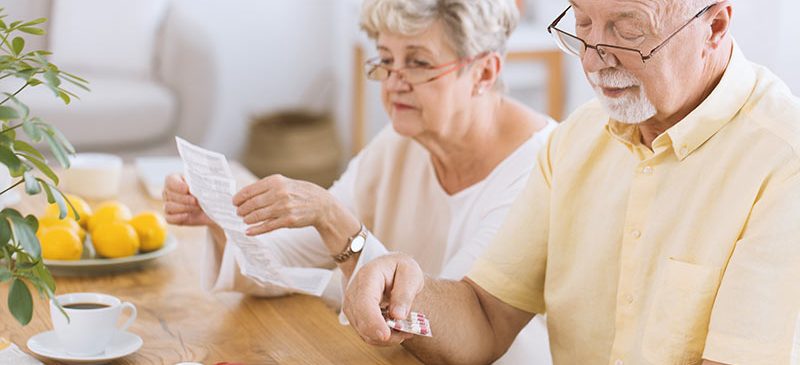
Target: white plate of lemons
(104,240)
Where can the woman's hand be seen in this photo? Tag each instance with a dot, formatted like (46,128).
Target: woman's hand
(279,202)
(180,206)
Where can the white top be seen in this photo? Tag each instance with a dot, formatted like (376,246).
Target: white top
(392,188)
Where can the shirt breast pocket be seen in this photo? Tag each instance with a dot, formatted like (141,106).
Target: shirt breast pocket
(677,324)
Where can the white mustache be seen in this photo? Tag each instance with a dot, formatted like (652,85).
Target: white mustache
(613,78)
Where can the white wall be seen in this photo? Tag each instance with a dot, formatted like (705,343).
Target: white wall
(768,32)
(272,53)
(275,51)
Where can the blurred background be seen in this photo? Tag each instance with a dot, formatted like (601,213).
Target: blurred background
(278,84)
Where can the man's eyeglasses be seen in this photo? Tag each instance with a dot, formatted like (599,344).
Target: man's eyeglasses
(377,70)
(629,57)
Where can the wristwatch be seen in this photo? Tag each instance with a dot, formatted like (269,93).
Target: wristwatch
(354,245)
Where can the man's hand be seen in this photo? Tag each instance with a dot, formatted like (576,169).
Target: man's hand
(393,280)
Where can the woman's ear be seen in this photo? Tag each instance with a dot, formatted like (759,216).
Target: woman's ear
(486,71)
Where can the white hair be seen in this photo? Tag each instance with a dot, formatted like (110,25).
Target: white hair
(471,26)
(629,109)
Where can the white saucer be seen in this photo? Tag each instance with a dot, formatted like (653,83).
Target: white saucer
(46,344)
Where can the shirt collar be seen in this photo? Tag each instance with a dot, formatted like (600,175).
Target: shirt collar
(719,108)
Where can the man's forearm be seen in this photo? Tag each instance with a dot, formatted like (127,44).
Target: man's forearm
(461,331)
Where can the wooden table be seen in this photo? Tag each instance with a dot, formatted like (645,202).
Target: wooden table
(179,321)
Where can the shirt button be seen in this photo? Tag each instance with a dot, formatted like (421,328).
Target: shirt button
(684,150)
(618,362)
(629,299)
(636,233)
(647,170)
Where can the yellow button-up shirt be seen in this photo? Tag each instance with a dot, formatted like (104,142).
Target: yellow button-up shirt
(669,256)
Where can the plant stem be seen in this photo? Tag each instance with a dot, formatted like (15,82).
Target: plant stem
(5,41)
(15,93)
(12,186)
(11,129)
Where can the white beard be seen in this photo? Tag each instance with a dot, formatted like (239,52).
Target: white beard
(629,109)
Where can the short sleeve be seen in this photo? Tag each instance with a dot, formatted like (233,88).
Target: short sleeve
(513,267)
(755,317)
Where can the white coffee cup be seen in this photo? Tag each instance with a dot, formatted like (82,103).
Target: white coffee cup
(93,175)
(88,330)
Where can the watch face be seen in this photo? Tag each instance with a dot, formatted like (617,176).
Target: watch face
(357,244)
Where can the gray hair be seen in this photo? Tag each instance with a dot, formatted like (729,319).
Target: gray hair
(471,26)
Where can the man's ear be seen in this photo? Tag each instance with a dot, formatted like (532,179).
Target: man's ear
(486,71)
(720,24)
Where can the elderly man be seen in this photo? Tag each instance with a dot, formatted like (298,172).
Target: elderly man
(662,225)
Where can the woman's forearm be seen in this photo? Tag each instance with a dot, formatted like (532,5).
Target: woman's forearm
(336,227)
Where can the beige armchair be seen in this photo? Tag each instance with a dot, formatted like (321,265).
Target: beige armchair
(152,73)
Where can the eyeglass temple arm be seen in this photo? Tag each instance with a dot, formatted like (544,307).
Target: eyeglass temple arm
(553,24)
(664,43)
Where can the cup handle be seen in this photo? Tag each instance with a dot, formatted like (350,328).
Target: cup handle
(132,318)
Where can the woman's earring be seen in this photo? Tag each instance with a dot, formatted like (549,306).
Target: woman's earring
(481,90)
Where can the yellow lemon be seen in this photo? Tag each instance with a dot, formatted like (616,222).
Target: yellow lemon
(151,229)
(115,239)
(60,243)
(108,212)
(46,223)
(81,206)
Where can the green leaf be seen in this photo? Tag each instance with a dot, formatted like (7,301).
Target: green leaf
(58,150)
(32,30)
(26,236)
(25,110)
(51,78)
(5,275)
(14,24)
(33,222)
(42,166)
(57,199)
(64,141)
(6,140)
(75,77)
(25,73)
(41,271)
(31,185)
(35,21)
(64,97)
(8,113)
(11,134)
(8,158)
(32,130)
(68,202)
(76,83)
(5,230)
(3,25)
(20,302)
(17,45)
(26,265)
(22,146)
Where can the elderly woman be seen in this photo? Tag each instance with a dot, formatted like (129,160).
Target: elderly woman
(437,184)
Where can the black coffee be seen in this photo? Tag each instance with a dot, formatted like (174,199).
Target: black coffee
(86,306)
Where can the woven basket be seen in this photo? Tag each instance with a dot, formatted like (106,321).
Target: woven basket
(296,144)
